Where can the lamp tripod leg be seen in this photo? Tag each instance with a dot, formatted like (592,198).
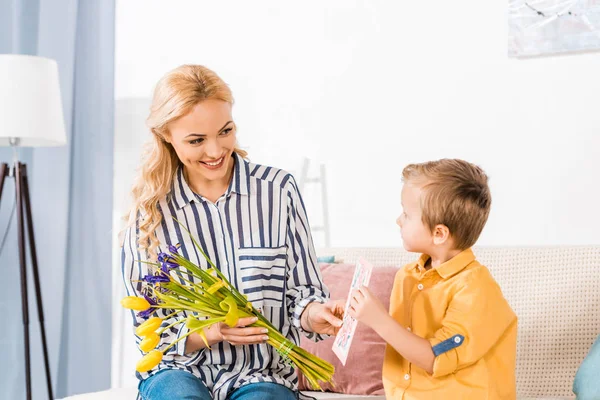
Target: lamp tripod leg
(36,277)
(3,174)
(23,269)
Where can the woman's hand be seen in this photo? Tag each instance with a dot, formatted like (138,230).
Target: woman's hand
(366,307)
(220,332)
(323,318)
(241,334)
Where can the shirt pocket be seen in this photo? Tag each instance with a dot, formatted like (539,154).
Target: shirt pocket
(263,273)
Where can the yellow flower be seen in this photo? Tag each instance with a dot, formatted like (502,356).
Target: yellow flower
(228,304)
(135,303)
(216,286)
(149,342)
(148,327)
(204,338)
(149,361)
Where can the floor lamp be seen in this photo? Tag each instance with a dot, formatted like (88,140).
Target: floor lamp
(30,116)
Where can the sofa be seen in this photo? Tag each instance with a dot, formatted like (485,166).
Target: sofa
(554,290)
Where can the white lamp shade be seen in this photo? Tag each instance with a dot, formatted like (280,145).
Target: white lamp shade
(30,104)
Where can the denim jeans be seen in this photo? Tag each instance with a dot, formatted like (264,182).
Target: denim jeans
(172,384)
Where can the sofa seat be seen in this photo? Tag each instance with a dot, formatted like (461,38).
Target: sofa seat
(553,290)
(131,394)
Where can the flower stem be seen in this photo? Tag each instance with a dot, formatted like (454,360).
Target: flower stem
(179,321)
(190,332)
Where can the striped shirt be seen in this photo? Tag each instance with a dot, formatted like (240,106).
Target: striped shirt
(258,235)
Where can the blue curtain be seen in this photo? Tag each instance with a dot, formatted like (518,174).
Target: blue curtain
(71,193)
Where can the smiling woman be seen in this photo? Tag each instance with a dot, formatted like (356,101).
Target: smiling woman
(205,146)
(251,222)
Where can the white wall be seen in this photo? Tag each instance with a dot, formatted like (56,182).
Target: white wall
(369,86)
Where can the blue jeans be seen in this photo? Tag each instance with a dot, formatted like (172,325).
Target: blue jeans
(172,384)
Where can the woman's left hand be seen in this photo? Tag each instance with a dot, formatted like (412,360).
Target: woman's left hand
(323,318)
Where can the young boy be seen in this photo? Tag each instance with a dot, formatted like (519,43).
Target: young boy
(450,332)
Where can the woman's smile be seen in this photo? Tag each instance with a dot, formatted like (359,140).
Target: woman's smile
(213,164)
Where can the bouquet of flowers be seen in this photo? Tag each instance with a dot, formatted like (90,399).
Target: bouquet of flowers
(209,298)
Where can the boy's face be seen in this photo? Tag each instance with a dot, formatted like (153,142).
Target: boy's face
(416,237)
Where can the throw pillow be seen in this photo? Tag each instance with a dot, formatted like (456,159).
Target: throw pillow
(586,385)
(362,373)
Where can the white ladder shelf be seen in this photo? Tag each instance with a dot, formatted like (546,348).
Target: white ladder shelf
(320,180)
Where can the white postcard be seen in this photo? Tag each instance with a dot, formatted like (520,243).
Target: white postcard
(343,339)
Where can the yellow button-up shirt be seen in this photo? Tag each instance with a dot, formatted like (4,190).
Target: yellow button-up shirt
(460,309)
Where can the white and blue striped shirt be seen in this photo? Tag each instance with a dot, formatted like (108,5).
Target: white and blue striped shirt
(258,235)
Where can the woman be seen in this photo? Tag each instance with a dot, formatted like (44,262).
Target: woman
(251,222)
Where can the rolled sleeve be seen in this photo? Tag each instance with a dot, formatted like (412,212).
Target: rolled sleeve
(304,281)
(300,307)
(134,269)
(476,319)
(446,362)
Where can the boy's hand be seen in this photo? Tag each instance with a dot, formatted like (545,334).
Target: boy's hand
(366,307)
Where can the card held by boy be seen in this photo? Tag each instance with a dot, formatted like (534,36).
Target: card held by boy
(343,339)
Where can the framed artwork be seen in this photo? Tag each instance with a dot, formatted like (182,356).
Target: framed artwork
(546,27)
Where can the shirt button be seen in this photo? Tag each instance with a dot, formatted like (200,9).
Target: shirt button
(408,329)
(420,286)
(457,339)
(406,377)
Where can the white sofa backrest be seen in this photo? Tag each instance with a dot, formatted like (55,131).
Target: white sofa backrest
(555,292)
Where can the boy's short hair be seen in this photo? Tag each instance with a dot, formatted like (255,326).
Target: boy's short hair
(455,194)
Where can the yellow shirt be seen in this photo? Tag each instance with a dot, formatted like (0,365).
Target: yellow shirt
(459,308)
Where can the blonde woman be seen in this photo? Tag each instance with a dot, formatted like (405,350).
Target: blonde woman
(250,220)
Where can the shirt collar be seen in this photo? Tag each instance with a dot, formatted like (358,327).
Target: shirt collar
(182,194)
(240,183)
(450,267)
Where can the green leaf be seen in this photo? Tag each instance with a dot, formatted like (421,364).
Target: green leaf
(192,322)
(215,287)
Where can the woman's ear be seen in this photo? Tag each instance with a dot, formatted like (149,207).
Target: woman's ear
(162,137)
(441,234)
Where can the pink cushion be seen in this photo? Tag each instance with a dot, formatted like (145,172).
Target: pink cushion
(362,373)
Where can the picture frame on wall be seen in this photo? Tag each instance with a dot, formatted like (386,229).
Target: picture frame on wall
(548,27)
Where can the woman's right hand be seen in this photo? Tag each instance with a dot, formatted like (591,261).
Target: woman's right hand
(220,332)
(242,334)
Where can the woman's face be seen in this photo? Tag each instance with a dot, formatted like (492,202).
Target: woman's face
(204,141)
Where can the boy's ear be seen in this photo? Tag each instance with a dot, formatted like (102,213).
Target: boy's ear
(441,234)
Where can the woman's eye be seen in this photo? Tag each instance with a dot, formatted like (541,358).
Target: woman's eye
(196,141)
(226,131)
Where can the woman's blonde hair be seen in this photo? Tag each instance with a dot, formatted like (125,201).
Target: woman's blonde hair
(175,95)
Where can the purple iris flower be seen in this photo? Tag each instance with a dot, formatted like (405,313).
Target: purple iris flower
(162,257)
(156,278)
(168,265)
(149,311)
(146,313)
(173,249)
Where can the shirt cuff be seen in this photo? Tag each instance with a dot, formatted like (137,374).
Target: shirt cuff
(190,358)
(296,316)
(446,355)
(179,348)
